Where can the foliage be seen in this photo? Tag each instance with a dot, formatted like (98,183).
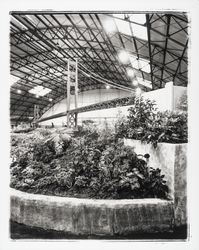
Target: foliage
(145,123)
(88,122)
(38,146)
(94,165)
(183,102)
(87,128)
(167,127)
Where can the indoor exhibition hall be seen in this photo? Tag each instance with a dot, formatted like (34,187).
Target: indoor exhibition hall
(98,125)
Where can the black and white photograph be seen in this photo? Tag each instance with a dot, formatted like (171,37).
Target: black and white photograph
(99,130)
(98,110)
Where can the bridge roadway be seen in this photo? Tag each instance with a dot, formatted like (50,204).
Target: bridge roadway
(117,102)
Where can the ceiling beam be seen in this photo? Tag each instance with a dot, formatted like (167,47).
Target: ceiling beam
(149,43)
(165,48)
(179,62)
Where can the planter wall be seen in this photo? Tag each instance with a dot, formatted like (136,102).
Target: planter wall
(171,159)
(92,217)
(180,183)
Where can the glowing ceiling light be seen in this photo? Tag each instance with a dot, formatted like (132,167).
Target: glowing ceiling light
(107,87)
(19,91)
(50,99)
(135,83)
(123,56)
(138,91)
(130,73)
(109,26)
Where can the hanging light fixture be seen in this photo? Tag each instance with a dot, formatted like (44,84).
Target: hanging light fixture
(107,87)
(135,82)
(130,73)
(123,57)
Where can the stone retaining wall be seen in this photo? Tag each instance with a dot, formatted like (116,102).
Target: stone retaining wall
(92,217)
(172,160)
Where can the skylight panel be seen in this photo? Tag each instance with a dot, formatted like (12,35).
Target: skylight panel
(41,46)
(134,62)
(144,82)
(58,73)
(123,27)
(39,91)
(30,19)
(19,23)
(144,65)
(13,79)
(138,18)
(44,91)
(140,63)
(119,16)
(139,31)
(109,25)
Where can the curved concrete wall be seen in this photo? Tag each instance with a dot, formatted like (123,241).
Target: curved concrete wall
(92,217)
(172,160)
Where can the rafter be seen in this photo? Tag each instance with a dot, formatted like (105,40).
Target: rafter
(39,53)
(149,42)
(180,60)
(165,49)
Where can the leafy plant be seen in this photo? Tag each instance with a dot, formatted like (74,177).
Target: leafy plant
(94,165)
(146,123)
(182,102)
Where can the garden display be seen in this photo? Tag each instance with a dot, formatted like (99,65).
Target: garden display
(144,122)
(89,164)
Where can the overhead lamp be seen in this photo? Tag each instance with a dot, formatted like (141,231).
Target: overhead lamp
(135,83)
(50,99)
(130,73)
(107,87)
(138,91)
(19,91)
(123,57)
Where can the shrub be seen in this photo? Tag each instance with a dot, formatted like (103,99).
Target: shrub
(96,165)
(145,123)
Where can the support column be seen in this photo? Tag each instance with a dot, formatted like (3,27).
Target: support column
(72,81)
(36,114)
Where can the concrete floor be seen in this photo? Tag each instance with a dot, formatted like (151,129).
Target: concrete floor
(20,231)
